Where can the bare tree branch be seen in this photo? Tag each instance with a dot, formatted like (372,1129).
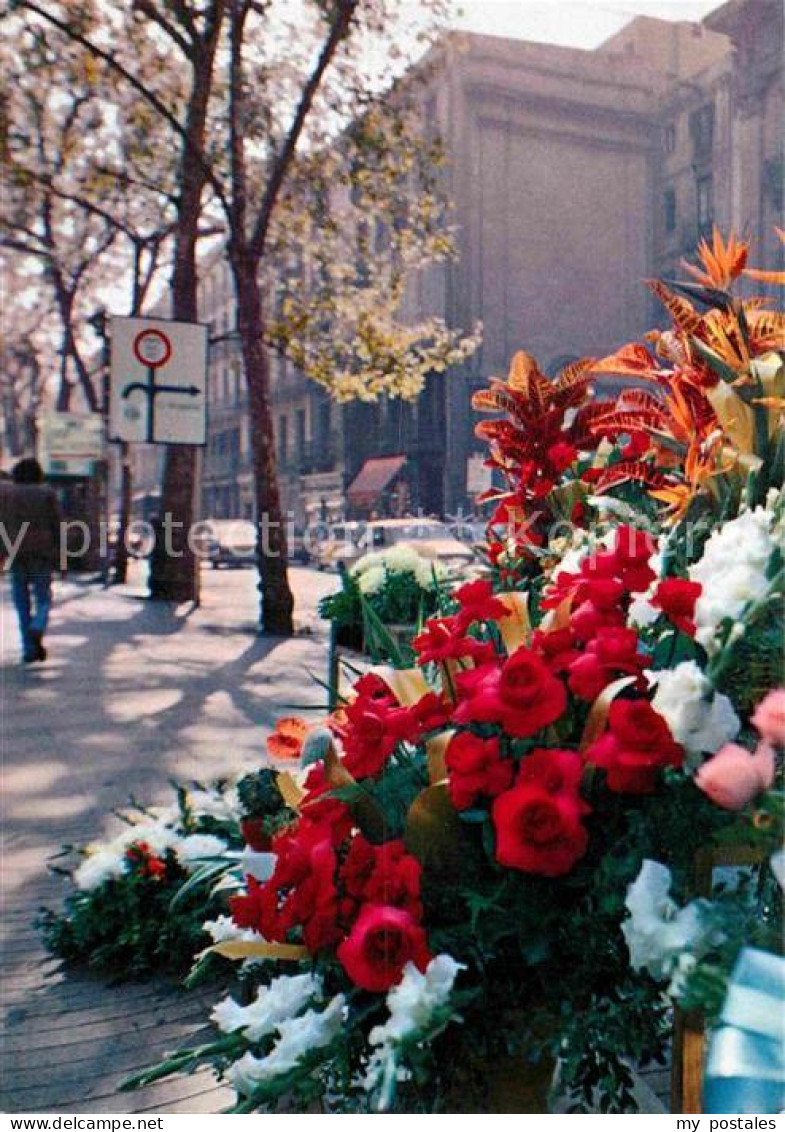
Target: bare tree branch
(342,19)
(114,64)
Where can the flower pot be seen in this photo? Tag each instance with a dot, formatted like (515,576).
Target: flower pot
(512,1084)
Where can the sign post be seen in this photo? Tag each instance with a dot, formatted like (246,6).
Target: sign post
(158,382)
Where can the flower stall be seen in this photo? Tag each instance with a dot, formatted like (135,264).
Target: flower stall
(519,858)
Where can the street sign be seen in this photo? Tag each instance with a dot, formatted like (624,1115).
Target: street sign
(70,443)
(158,381)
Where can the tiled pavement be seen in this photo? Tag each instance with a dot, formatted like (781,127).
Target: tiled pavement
(134,694)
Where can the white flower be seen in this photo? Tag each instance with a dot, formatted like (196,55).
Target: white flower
(258,865)
(657,932)
(401,559)
(777,864)
(275,1004)
(371,581)
(413,1002)
(701,721)
(429,573)
(732,572)
(641,612)
(224,929)
(412,1005)
(198,847)
(298,1036)
(221,805)
(374,558)
(100,865)
(156,835)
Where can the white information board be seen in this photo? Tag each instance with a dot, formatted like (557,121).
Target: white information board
(158,381)
(70,443)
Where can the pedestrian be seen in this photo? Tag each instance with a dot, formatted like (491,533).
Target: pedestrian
(31,518)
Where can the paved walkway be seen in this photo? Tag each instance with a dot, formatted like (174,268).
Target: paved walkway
(133,695)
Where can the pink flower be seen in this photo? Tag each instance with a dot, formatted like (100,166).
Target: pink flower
(733,777)
(769,717)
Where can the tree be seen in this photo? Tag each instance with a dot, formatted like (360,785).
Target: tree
(277,92)
(138,42)
(42,147)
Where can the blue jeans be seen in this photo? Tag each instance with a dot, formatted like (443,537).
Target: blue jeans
(31,587)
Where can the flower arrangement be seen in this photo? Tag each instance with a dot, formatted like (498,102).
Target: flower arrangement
(397,586)
(494,848)
(124,916)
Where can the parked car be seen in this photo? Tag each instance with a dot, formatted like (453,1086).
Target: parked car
(337,544)
(431,538)
(227,542)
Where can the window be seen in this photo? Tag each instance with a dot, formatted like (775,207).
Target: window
(669,210)
(283,438)
(300,432)
(702,129)
(705,205)
(669,138)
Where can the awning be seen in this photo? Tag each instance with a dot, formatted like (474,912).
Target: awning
(373,477)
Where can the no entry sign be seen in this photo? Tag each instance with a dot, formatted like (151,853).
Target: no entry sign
(158,381)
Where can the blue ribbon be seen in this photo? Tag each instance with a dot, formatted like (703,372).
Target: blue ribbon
(745,1066)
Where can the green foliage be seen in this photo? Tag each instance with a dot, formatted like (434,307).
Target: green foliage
(125,928)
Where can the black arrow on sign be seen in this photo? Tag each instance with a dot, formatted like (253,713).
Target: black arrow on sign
(151,389)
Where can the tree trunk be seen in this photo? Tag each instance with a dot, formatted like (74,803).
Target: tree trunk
(277,602)
(174,574)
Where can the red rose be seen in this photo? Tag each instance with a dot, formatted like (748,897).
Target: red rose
(637,745)
(676,597)
(612,653)
(604,593)
(381,943)
(476,769)
(538,831)
(554,770)
(587,620)
(557,646)
(521,695)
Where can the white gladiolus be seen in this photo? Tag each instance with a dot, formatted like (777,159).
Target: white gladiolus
(732,572)
(223,806)
(412,1005)
(198,847)
(223,930)
(700,720)
(657,932)
(282,1000)
(298,1037)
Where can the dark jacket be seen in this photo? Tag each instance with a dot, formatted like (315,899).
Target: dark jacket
(36,505)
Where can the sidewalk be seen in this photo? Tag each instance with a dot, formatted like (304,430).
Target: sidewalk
(134,694)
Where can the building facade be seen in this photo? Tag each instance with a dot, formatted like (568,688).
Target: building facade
(574,176)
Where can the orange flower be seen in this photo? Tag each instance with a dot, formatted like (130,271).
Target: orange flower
(286,742)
